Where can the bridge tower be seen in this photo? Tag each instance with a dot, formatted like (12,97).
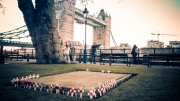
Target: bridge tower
(65,12)
(101,35)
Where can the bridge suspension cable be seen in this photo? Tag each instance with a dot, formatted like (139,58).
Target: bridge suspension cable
(17,33)
(12,30)
(116,46)
(22,32)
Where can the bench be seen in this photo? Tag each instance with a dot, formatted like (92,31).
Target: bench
(112,57)
(14,56)
(168,59)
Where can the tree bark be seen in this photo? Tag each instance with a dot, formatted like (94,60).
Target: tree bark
(40,21)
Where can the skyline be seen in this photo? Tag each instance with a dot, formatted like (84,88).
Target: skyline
(132,21)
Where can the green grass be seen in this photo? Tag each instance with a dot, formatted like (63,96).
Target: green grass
(151,84)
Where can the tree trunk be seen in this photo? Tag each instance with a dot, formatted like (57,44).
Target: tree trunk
(40,21)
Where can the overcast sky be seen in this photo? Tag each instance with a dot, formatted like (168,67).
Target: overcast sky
(132,21)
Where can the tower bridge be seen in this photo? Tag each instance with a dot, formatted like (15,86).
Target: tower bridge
(16,43)
(91,20)
(66,13)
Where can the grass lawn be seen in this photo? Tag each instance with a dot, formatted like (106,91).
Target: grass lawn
(150,84)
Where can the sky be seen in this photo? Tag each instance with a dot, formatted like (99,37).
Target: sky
(132,21)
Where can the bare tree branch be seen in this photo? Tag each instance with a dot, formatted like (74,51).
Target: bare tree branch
(120,1)
(84,2)
(2,7)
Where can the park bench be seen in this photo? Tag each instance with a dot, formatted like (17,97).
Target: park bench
(168,59)
(14,55)
(114,58)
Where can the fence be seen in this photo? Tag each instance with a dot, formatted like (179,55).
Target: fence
(79,52)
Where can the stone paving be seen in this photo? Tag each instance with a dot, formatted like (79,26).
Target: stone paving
(113,64)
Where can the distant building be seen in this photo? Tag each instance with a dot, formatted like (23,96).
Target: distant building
(122,46)
(174,44)
(154,44)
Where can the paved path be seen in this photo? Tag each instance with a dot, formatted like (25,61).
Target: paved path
(97,63)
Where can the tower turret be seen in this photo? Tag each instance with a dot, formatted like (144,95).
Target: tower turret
(101,35)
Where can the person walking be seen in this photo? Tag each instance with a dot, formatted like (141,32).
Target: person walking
(134,53)
(72,53)
(66,53)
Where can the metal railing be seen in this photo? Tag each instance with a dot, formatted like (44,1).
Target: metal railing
(15,43)
(31,53)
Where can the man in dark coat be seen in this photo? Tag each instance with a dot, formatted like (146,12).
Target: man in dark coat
(134,53)
(93,52)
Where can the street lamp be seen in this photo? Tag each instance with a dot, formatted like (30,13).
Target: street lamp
(85,12)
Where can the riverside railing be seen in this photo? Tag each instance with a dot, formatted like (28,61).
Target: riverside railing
(31,53)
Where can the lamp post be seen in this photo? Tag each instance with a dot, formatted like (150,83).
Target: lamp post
(85,12)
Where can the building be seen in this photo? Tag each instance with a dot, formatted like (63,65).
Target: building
(67,13)
(154,44)
(122,48)
(174,44)
(101,35)
(124,45)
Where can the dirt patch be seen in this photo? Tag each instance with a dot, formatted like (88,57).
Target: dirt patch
(78,79)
